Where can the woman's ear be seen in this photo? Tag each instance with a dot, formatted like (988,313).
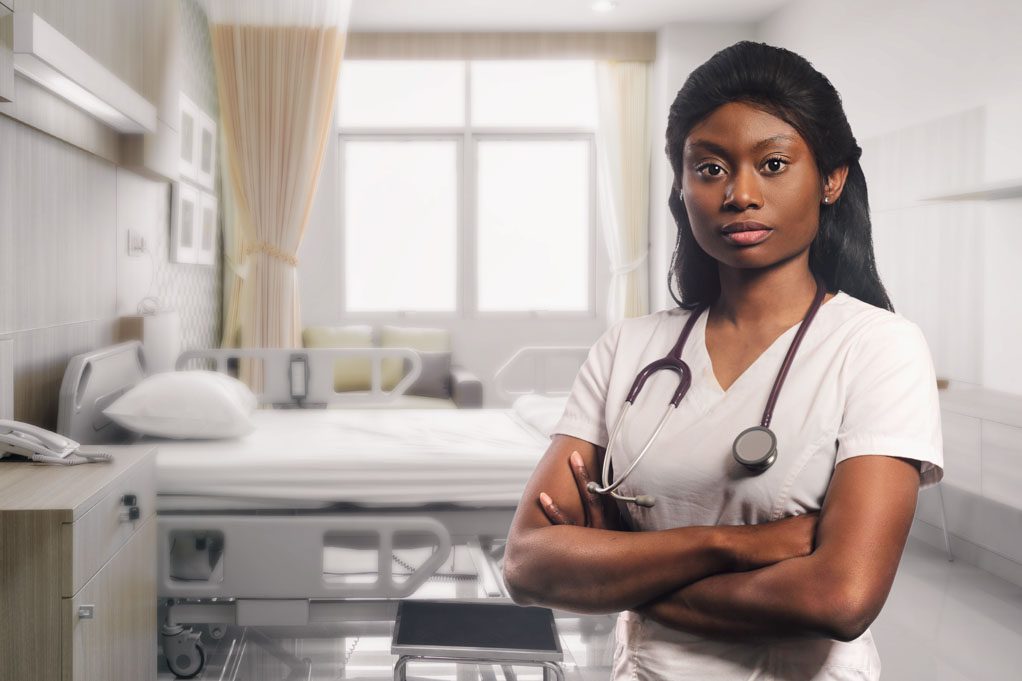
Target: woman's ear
(834,184)
(674,202)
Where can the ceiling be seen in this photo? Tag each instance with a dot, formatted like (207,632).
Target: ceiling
(548,15)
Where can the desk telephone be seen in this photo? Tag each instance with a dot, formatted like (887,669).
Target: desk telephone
(43,446)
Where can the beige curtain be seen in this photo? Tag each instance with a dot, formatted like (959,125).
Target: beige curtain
(623,164)
(277,68)
(235,268)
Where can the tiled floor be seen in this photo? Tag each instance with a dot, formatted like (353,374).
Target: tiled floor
(942,622)
(949,622)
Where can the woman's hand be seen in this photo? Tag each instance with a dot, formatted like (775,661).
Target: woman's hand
(599,511)
(757,546)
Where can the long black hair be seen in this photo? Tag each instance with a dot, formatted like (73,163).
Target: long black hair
(787,86)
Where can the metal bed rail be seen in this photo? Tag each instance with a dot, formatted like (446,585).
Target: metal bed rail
(304,377)
(541,358)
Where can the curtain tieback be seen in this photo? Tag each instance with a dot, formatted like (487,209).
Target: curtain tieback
(629,267)
(272,251)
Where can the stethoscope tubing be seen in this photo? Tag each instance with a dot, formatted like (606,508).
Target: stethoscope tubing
(674,362)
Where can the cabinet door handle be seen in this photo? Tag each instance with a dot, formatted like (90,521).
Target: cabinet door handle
(86,612)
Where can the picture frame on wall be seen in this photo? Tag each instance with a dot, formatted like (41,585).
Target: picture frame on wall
(205,152)
(184,223)
(189,134)
(207,230)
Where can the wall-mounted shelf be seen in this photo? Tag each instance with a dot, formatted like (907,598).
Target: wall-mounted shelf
(1011,189)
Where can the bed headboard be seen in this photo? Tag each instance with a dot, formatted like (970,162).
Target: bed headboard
(92,381)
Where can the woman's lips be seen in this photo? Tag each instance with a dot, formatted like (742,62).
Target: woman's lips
(748,238)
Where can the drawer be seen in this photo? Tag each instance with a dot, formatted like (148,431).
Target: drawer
(116,640)
(89,542)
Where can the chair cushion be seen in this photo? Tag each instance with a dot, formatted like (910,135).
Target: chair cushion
(349,374)
(435,379)
(431,340)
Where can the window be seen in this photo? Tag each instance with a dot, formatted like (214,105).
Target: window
(468,187)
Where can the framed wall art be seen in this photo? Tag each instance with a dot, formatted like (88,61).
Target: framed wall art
(184,223)
(188,134)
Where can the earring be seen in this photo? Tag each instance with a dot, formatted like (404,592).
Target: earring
(826,199)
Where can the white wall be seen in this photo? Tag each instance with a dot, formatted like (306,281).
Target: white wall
(899,63)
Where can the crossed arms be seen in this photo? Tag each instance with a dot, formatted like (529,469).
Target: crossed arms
(799,576)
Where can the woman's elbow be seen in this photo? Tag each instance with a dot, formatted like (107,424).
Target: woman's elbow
(520,575)
(851,610)
(517,585)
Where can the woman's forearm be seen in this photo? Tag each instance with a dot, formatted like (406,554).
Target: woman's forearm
(796,597)
(599,571)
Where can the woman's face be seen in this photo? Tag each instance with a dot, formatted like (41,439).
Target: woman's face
(743,165)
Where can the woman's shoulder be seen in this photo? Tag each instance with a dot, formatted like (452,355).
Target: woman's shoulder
(865,324)
(644,326)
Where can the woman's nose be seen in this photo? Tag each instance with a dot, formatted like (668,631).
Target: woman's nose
(743,191)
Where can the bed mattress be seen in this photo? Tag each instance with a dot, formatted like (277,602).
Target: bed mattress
(398,457)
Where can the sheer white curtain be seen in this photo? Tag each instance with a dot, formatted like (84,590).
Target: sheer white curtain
(623,164)
(277,67)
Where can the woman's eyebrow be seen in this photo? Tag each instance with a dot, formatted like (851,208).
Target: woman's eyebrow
(717,149)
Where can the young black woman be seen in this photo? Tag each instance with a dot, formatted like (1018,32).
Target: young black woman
(731,574)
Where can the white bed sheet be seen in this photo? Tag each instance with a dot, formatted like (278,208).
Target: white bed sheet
(398,457)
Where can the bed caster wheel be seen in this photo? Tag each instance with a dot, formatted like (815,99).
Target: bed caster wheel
(217,631)
(183,650)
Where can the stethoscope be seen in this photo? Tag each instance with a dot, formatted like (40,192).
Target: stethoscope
(754,448)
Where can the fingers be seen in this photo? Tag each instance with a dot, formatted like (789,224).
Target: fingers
(554,514)
(591,502)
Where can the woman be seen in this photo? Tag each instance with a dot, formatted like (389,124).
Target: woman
(730,574)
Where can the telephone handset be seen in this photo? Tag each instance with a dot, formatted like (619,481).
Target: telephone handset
(44,446)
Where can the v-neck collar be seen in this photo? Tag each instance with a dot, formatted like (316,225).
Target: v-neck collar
(780,344)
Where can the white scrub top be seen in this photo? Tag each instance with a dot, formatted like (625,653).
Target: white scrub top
(862,383)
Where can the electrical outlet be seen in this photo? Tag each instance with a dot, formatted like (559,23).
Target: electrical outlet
(136,243)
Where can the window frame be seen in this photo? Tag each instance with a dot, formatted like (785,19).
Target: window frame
(467,138)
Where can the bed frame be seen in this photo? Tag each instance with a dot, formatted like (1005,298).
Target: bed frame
(224,567)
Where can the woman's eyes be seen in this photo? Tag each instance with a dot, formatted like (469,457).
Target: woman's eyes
(773,165)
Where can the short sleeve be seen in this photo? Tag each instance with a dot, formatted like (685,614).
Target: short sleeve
(892,407)
(584,414)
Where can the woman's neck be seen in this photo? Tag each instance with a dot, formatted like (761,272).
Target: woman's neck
(764,299)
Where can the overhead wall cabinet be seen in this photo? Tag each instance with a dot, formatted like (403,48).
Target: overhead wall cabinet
(6,53)
(46,56)
(1000,152)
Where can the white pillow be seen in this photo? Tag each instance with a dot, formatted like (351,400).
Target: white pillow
(186,405)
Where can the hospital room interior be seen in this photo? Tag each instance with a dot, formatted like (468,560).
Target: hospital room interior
(295,293)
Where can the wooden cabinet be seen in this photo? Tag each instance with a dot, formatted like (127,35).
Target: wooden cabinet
(6,56)
(78,570)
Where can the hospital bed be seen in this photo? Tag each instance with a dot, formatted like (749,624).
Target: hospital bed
(320,515)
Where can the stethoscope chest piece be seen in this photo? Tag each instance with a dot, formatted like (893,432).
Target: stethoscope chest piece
(755,448)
